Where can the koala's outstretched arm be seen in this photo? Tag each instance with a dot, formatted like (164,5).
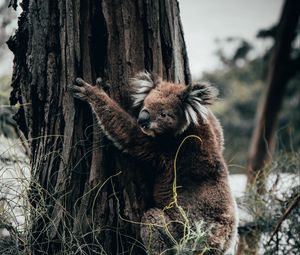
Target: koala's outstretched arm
(118,125)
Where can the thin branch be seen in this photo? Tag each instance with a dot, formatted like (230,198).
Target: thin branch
(284,216)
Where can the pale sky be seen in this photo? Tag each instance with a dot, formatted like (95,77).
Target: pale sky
(205,20)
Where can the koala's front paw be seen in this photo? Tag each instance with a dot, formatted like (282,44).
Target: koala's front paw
(80,89)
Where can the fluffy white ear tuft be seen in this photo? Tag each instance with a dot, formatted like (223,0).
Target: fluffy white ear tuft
(196,98)
(141,84)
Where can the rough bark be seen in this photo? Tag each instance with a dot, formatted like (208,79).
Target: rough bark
(85,196)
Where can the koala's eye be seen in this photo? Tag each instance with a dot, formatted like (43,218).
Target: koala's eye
(162,114)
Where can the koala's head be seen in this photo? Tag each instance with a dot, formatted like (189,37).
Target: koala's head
(168,108)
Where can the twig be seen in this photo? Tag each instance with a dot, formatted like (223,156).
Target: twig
(9,228)
(284,216)
(11,160)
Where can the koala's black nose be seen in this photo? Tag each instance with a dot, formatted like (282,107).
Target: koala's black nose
(144,119)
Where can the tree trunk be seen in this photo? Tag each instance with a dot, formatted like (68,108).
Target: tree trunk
(280,72)
(85,196)
(263,141)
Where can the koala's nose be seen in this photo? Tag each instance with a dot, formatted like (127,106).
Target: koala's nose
(144,119)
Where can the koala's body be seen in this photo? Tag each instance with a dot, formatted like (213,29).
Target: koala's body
(198,192)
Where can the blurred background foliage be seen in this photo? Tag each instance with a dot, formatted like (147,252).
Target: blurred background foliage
(8,19)
(241,82)
(7,124)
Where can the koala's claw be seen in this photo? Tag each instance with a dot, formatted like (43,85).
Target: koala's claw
(99,81)
(103,84)
(75,88)
(79,96)
(79,89)
(81,82)
(77,92)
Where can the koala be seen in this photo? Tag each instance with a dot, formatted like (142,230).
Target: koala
(177,134)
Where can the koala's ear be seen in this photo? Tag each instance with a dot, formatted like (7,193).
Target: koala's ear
(141,85)
(195,99)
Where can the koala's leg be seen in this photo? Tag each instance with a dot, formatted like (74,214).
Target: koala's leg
(120,127)
(158,233)
(162,235)
(221,237)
